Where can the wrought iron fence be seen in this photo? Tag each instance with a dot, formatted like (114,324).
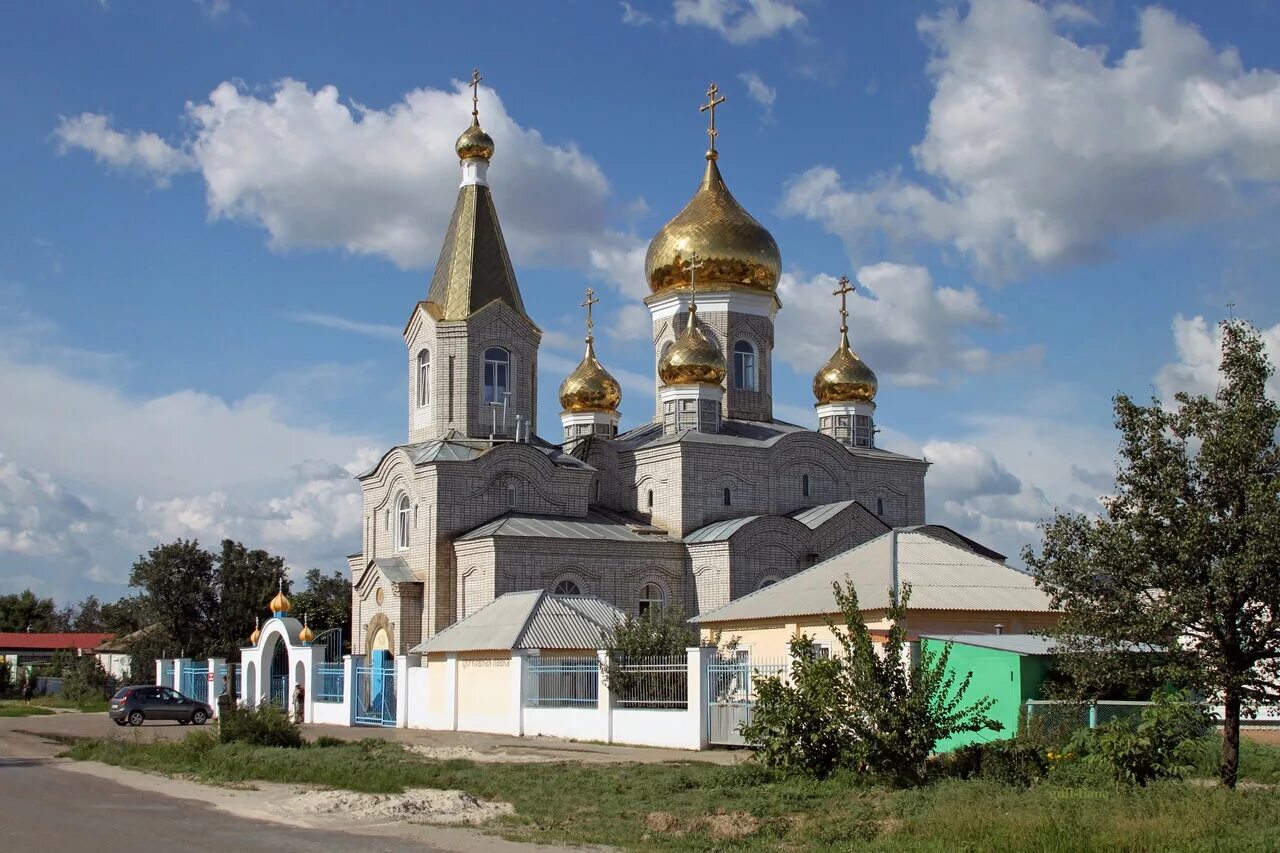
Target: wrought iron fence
(731,694)
(166,673)
(329,682)
(562,683)
(195,682)
(331,642)
(655,683)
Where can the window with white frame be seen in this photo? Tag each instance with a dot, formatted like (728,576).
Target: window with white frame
(568,587)
(744,366)
(497,375)
(652,599)
(404,512)
(424,378)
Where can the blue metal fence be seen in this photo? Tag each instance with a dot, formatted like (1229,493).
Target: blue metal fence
(562,683)
(195,682)
(279,687)
(375,696)
(329,682)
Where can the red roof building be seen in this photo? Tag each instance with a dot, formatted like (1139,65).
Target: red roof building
(26,646)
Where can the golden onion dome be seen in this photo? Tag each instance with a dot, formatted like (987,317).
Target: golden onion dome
(306,635)
(474,143)
(590,388)
(845,378)
(257,632)
(692,357)
(280,604)
(735,249)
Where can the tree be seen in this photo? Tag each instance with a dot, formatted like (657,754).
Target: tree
(24,611)
(326,602)
(1185,559)
(178,581)
(244,581)
(88,616)
(866,709)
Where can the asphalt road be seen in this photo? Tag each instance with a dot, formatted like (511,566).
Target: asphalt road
(48,810)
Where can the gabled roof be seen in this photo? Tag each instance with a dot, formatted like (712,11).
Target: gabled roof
(811,517)
(455,447)
(594,525)
(535,619)
(474,268)
(942,574)
(26,640)
(738,433)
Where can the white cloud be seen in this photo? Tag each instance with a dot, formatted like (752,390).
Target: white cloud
(214,9)
(317,172)
(905,327)
(760,92)
(39,517)
(1198,369)
(328,321)
(1040,149)
(740,21)
(633,17)
(622,265)
(143,151)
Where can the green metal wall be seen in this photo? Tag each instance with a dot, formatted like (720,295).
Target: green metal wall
(1006,677)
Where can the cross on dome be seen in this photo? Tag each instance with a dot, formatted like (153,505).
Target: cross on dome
(475,93)
(590,301)
(843,291)
(710,106)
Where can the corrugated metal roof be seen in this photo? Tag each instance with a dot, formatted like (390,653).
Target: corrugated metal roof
(1022,644)
(395,569)
(943,576)
(591,526)
(815,516)
(737,433)
(720,530)
(812,517)
(454,448)
(529,620)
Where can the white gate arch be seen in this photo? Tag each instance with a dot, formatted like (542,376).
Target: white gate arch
(301,657)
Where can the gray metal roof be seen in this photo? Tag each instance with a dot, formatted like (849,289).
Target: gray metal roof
(1022,644)
(395,569)
(812,517)
(736,433)
(535,619)
(456,448)
(816,516)
(943,576)
(593,525)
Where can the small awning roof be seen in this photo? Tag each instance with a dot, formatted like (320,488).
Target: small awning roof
(535,619)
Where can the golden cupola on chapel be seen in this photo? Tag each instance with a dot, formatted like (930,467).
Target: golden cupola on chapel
(280,604)
(736,250)
(845,388)
(693,358)
(590,395)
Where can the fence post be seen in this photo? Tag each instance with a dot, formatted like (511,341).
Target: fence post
(518,657)
(1093,715)
(216,681)
(179,667)
(699,660)
(403,662)
(159,671)
(451,688)
(1031,709)
(349,664)
(604,702)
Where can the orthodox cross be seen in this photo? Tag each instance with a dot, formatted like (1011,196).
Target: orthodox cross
(710,106)
(843,292)
(591,300)
(475,93)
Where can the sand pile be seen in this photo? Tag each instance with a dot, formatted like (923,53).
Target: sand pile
(421,804)
(446,753)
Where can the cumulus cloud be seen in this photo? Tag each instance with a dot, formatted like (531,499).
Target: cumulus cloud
(760,92)
(905,327)
(141,151)
(740,21)
(315,171)
(40,517)
(1040,149)
(1198,369)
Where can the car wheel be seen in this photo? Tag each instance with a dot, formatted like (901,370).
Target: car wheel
(135,718)
(199,717)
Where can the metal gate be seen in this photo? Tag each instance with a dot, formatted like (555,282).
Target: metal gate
(375,696)
(279,687)
(730,692)
(195,682)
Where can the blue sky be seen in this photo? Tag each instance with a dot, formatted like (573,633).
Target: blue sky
(218,215)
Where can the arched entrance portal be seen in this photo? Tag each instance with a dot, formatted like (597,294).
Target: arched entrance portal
(279,674)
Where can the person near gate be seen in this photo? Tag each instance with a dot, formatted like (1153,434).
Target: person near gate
(299,700)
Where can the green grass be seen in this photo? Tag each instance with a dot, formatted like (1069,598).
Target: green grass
(22,709)
(690,805)
(91,705)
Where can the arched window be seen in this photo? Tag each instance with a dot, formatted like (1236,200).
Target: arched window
(879,506)
(744,366)
(651,499)
(511,495)
(424,377)
(804,485)
(768,580)
(568,587)
(728,497)
(497,374)
(403,511)
(651,599)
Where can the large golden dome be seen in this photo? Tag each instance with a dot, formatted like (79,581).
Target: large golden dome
(735,249)
(845,378)
(474,143)
(692,357)
(590,388)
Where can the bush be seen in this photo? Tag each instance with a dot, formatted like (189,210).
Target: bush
(265,725)
(326,741)
(1008,762)
(84,680)
(1162,745)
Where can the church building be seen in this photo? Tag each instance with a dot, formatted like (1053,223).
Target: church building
(711,499)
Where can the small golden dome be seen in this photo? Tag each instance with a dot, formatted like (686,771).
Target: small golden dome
(306,635)
(474,143)
(590,388)
(280,604)
(257,632)
(692,357)
(734,248)
(845,378)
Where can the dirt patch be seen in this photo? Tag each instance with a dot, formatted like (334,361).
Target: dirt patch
(724,825)
(662,822)
(448,753)
(420,804)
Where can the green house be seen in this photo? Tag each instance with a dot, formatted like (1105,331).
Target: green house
(1010,668)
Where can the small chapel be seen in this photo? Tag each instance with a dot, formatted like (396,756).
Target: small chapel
(708,500)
